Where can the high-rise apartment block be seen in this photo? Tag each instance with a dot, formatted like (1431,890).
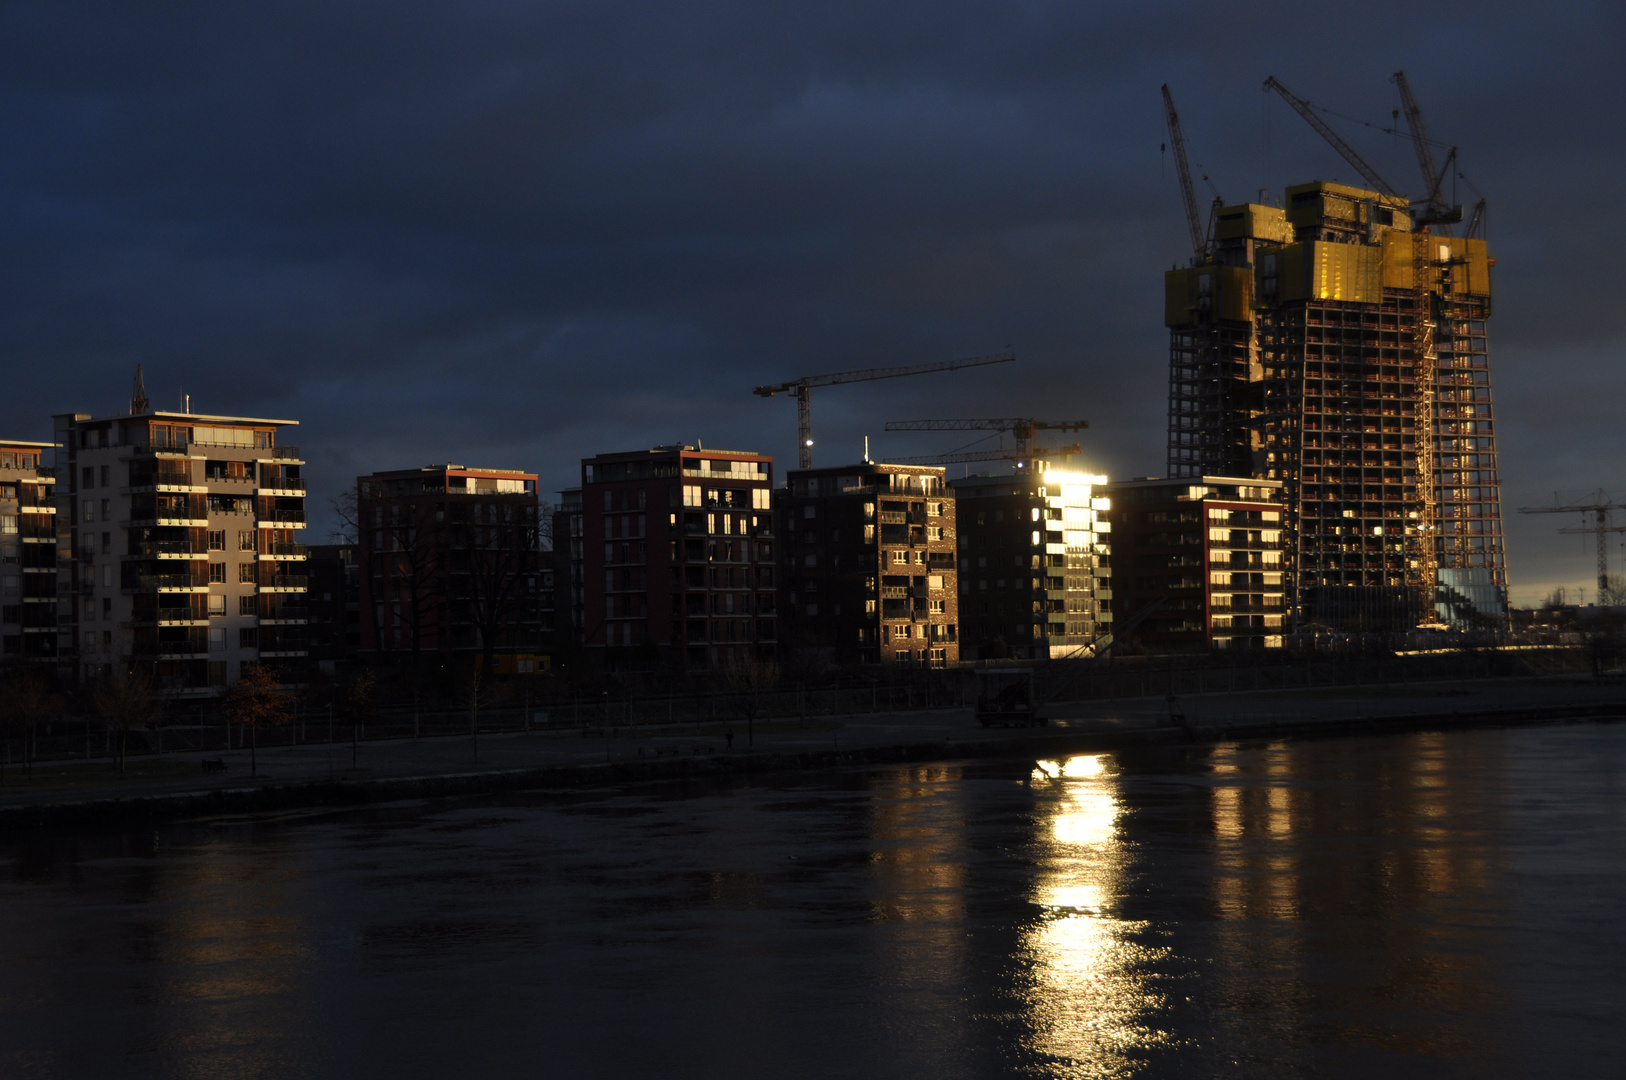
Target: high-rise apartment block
(1035,562)
(1334,348)
(676,554)
(181,530)
(868,567)
(451,562)
(28,558)
(1211,548)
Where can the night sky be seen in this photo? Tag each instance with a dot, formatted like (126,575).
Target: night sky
(515,235)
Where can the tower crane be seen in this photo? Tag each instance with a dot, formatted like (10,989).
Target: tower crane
(1600,506)
(1346,151)
(1022,428)
(1436,211)
(1017,455)
(1188,193)
(801,390)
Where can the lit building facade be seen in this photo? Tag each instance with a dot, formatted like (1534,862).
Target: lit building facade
(1035,551)
(180,532)
(1211,548)
(869,565)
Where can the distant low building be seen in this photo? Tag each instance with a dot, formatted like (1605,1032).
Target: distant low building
(1035,562)
(1210,547)
(868,572)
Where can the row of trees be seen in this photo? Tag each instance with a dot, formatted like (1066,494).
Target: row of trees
(129,700)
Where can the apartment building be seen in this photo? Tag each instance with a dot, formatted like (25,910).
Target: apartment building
(450,563)
(1211,547)
(676,556)
(28,558)
(868,572)
(1035,562)
(180,534)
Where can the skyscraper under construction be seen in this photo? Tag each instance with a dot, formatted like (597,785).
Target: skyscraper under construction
(1333,347)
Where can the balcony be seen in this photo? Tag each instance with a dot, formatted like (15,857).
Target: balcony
(285,550)
(281,519)
(164,583)
(285,453)
(167,549)
(284,583)
(281,483)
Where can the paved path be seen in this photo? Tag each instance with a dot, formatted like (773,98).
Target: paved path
(149,775)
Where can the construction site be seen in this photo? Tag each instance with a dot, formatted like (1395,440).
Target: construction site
(1336,344)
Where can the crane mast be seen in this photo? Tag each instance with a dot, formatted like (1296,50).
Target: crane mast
(1188,193)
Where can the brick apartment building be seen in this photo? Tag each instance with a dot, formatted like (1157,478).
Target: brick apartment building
(28,558)
(1035,562)
(1213,546)
(672,551)
(179,531)
(868,571)
(451,564)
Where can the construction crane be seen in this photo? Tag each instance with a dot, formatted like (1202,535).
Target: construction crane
(1346,151)
(1597,504)
(802,388)
(1476,222)
(1188,193)
(1019,456)
(1021,427)
(1436,212)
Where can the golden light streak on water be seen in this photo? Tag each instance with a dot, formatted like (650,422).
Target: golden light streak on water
(1090,999)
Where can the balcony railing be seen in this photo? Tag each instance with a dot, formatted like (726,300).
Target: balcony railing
(143,582)
(282,483)
(286,549)
(286,453)
(167,547)
(284,581)
(283,517)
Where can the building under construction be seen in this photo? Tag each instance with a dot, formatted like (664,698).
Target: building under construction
(1332,346)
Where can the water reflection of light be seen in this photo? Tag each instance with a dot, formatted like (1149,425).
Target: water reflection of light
(1090,1003)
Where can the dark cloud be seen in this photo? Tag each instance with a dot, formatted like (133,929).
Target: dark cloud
(521,233)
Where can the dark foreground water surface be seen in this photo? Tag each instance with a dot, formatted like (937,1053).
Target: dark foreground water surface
(1413,906)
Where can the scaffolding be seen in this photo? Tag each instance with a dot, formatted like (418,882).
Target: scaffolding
(1328,346)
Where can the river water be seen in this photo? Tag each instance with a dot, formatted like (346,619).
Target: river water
(1428,905)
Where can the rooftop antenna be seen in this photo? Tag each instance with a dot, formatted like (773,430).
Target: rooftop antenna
(138,394)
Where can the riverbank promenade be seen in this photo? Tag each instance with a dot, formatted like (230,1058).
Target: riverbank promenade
(376,770)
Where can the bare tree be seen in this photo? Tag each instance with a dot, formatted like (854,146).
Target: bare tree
(127,698)
(494,543)
(26,698)
(401,558)
(346,508)
(258,701)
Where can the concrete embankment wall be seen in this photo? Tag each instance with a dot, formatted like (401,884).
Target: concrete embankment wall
(148,809)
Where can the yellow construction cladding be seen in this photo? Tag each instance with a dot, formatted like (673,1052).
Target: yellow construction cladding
(1196,294)
(1378,256)
(1253,221)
